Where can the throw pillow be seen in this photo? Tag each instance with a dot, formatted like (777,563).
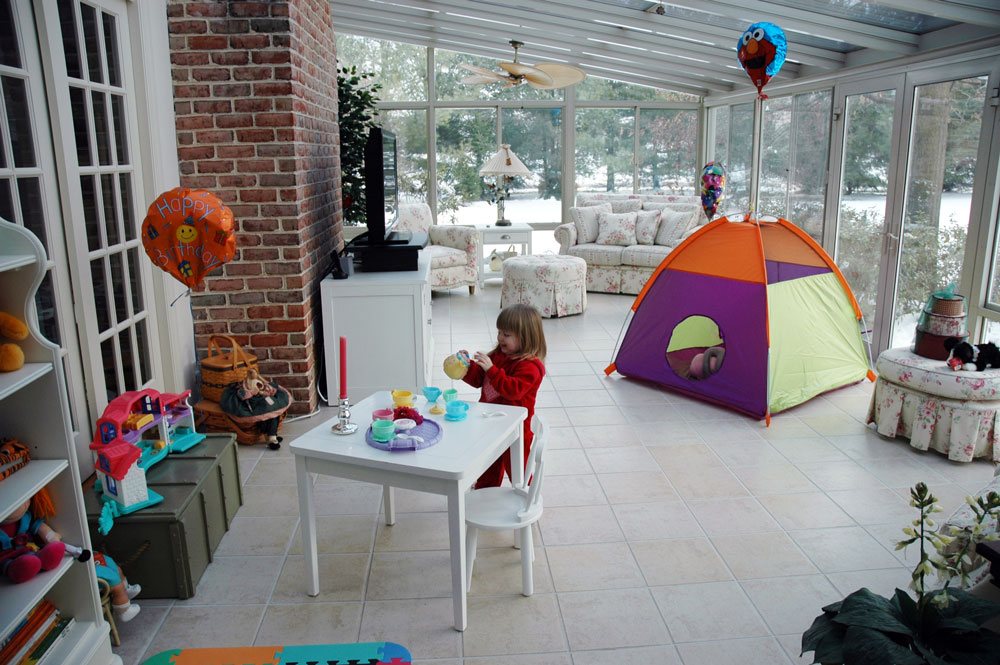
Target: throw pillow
(616,229)
(625,205)
(674,224)
(585,220)
(646,224)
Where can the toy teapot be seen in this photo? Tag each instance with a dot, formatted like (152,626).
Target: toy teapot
(456,365)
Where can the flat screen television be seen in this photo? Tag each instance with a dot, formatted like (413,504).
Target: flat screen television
(381,191)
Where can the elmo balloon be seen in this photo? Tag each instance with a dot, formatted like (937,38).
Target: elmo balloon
(189,233)
(761,50)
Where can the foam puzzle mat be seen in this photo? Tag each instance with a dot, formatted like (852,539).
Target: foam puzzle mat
(365,653)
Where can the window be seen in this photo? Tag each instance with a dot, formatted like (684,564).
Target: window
(410,128)
(449,74)
(466,138)
(668,151)
(535,136)
(593,88)
(401,68)
(605,150)
(733,143)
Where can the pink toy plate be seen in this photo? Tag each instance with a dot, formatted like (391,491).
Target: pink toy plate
(428,430)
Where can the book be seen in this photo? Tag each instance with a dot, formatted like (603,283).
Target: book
(45,647)
(13,456)
(36,638)
(41,616)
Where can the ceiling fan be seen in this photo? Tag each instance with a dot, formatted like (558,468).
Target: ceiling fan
(542,76)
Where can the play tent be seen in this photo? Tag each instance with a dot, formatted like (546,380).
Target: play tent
(750,315)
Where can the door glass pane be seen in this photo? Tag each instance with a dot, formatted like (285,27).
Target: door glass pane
(947,119)
(143,343)
(535,136)
(10,54)
(71,43)
(135,281)
(33,210)
(90,218)
(861,221)
(668,145)
(111,49)
(91,41)
(108,361)
(15,97)
(6,201)
(410,128)
(121,140)
(100,285)
(101,128)
(775,156)
(118,286)
(110,209)
(605,150)
(81,130)
(128,359)
(466,139)
(810,154)
(45,307)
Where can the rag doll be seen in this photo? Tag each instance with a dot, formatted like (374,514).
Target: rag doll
(122,592)
(962,355)
(259,402)
(29,545)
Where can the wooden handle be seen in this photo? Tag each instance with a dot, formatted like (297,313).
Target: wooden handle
(238,352)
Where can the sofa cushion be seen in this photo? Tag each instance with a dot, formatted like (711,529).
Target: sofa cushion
(645,256)
(585,220)
(601,255)
(674,224)
(647,222)
(616,229)
(619,206)
(446,257)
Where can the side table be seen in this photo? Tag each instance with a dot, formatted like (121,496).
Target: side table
(515,234)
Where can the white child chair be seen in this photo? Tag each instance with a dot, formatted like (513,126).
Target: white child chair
(509,508)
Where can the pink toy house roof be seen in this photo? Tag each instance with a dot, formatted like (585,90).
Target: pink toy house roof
(119,457)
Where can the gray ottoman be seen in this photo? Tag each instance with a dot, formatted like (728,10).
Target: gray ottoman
(555,284)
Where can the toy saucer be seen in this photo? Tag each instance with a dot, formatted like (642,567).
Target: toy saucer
(455,419)
(403,424)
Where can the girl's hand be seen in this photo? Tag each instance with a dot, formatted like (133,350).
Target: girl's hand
(483,361)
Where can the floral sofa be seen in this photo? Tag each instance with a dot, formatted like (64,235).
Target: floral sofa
(624,237)
(454,250)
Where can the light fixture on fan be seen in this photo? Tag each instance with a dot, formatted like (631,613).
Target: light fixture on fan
(541,76)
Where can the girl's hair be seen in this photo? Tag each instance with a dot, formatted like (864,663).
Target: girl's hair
(525,322)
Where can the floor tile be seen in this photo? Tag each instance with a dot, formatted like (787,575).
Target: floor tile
(321,623)
(607,436)
(706,483)
(789,604)
(752,452)
(414,532)
(256,535)
(843,549)
(341,578)
(719,517)
(636,487)
(236,580)
(724,611)
(400,575)
(757,651)
(575,525)
(582,490)
(566,462)
(772,479)
(679,561)
(805,510)
(656,520)
(619,460)
(755,555)
(208,626)
(339,534)
(593,567)
(839,475)
(663,655)
(874,506)
(612,619)
(423,626)
(513,624)
(497,571)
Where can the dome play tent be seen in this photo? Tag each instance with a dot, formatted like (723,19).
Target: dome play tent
(751,315)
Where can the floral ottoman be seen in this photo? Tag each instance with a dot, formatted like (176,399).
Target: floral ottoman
(954,413)
(553,283)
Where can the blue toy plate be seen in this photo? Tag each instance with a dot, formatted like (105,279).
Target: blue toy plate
(455,419)
(428,430)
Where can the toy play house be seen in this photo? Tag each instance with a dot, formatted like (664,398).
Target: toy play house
(122,454)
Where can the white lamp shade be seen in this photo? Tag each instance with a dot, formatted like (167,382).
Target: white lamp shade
(505,162)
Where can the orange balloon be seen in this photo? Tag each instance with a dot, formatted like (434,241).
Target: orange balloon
(189,233)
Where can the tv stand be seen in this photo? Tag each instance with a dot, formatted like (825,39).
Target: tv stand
(399,238)
(388,257)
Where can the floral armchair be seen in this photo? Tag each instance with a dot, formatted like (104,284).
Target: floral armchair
(454,250)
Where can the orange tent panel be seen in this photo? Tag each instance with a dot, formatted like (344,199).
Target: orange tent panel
(732,253)
(783,245)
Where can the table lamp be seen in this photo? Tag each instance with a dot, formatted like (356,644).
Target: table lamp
(504,165)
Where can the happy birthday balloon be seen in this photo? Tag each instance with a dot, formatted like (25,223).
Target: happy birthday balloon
(713,182)
(189,233)
(761,50)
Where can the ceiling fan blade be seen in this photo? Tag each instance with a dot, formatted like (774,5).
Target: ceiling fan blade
(562,76)
(481,71)
(531,74)
(476,79)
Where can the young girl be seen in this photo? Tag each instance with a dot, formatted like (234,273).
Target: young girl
(511,374)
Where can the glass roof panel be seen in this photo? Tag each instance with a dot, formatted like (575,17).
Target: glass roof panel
(872,14)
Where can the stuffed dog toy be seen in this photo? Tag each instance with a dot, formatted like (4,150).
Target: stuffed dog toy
(962,355)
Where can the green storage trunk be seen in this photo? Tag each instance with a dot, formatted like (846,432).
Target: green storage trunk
(167,547)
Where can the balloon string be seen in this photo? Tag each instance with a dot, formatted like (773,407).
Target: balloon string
(187,292)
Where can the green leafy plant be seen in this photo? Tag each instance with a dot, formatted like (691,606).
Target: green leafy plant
(941,626)
(357,96)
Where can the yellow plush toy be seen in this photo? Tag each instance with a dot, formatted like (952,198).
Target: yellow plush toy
(11,355)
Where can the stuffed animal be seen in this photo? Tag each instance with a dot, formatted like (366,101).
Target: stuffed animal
(11,355)
(969,357)
(256,401)
(29,545)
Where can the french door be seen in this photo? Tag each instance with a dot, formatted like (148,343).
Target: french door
(906,147)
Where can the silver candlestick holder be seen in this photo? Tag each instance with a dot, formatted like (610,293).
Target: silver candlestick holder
(345,426)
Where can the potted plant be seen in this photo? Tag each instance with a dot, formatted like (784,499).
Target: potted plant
(941,626)
(357,96)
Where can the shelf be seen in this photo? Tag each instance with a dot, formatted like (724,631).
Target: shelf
(21,485)
(18,599)
(15,261)
(11,382)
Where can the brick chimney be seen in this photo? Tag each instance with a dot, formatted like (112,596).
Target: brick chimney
(255,97)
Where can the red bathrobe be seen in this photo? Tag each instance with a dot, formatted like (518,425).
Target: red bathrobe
(512,382)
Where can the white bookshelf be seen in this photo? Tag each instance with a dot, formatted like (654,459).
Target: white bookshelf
(34,409)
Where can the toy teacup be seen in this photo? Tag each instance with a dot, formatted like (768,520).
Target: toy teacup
(383,430)
(432,394)
(456,365)
(402,398)
(450,395)
(382,414)
(457,409)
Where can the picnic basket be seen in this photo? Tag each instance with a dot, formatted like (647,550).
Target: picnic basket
(220,368)
(211,418)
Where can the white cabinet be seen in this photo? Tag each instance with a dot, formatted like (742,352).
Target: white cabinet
(386,318)
(34,409)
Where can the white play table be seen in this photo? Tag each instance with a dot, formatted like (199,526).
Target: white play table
(449,467)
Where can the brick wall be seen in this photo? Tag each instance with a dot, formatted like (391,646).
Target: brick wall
(255,96)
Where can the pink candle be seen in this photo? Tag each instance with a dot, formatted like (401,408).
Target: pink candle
(343,368)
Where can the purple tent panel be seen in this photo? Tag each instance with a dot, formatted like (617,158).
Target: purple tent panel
(782,272)
(739,310)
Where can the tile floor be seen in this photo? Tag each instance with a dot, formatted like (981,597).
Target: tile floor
(674,532)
